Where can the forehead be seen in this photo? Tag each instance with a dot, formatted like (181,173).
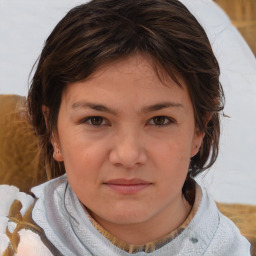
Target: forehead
(143,63)
(137,75)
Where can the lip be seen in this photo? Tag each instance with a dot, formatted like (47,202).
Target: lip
(127,186)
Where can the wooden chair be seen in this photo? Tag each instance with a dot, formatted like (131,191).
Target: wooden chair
(20,158)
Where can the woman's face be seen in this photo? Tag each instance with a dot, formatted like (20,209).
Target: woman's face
(126,141)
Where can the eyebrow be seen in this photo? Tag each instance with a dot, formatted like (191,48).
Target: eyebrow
(98,107)
(144,110)
(160,106)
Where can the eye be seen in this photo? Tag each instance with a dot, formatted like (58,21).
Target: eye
(160,121)
(95,121)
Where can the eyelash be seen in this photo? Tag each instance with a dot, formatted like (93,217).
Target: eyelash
(167,121)
(104,121)
(89,119)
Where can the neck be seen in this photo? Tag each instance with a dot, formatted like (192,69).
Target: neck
(154,229)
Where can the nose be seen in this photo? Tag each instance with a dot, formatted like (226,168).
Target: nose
(128,151)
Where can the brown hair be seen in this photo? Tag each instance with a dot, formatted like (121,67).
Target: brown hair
(103,31)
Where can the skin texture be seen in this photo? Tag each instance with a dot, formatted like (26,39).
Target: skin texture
(127,166)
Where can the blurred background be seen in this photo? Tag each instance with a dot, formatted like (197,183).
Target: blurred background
(243,15)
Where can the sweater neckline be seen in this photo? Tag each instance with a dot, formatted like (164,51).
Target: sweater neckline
(156,244)
(58,212)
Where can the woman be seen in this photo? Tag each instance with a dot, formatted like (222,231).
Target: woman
(126,100)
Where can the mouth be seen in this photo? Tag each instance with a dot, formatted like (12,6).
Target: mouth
(127,186)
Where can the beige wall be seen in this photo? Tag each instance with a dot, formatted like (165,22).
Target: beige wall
(243,16)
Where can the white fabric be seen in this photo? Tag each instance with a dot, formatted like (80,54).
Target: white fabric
(10,193)
(7,195)
(60,214)
(31,244)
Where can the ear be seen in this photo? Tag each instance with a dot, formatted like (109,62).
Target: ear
(57,153)
(197,141)
(199,136)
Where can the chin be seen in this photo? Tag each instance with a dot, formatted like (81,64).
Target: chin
(128,216)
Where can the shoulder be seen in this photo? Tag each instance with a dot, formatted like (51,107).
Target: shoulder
(18,232)
(226,238)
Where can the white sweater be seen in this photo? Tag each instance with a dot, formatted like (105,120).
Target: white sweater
(59,213)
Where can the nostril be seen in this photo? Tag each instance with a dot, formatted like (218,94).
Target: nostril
(127,154)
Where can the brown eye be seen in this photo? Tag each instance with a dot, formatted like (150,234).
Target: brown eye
(160,121)
(96,120)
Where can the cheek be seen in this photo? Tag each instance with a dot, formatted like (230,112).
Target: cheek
(172,171)
(80,159)
(173,151)
(83,165)
(172,161)
(81,147)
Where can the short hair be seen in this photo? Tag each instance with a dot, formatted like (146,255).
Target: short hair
(103,31)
